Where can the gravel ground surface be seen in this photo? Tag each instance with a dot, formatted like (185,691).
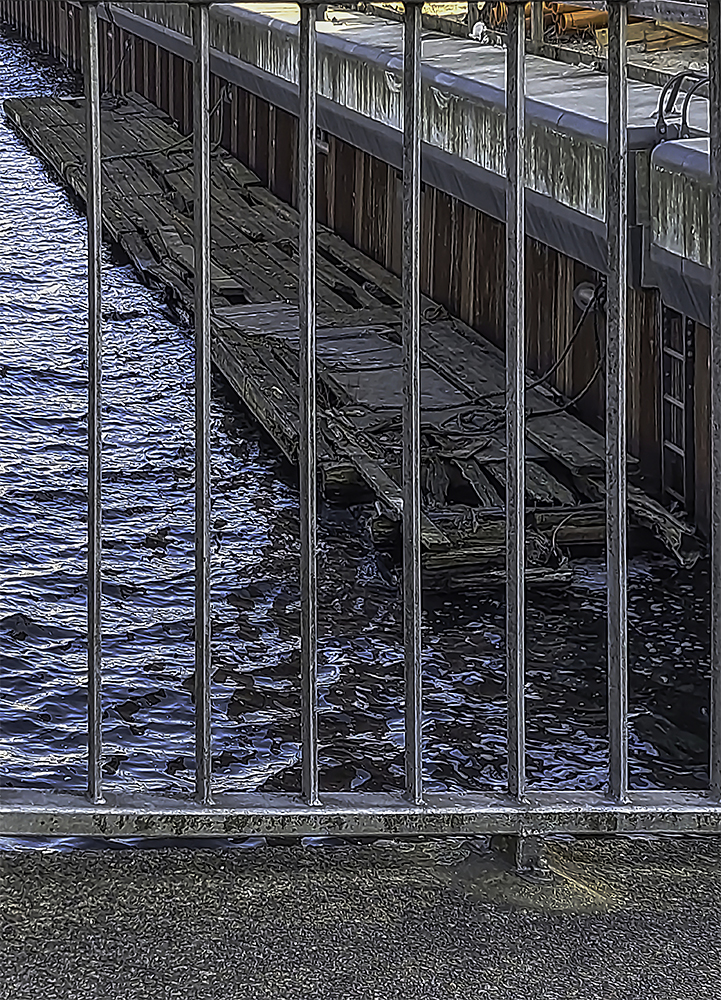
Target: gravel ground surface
(624,918)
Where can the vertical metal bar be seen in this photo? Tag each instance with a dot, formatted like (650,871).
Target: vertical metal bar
(536,21)
(714,66)
(616,223)
(515,397)
(689,424)
(307,79)
(95,223)
(412,593)
(201,279)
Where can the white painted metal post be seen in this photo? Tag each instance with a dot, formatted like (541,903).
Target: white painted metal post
(515,398)
(412,590)
(307,79)
(617,234)
(201,279)
(95,335)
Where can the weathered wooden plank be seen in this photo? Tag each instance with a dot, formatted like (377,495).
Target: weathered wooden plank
(577,526)
(675,533)
(224,236)
(485,445)
(269,398)
(473,571)
(354,263)
(541,486)
(262,319)
(350,292)
(378,479)
(332,289)
(484,488)
(167,274)
(236,172)
(137,185)
(545,488)
(263,284)
(254,217)
(182,252)
(281,319)
(120,137)
(136,104)
(342,483)
(180,180)
(138,250)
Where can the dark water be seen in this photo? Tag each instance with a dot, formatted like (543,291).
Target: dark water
(148,578)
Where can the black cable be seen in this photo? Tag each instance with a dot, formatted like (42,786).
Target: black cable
(223,99)
(497,418)
(595,298)
(684,132)
(129,44)
(564,354)
(579,395)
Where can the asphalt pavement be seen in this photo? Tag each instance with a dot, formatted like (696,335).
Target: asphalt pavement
(624,918)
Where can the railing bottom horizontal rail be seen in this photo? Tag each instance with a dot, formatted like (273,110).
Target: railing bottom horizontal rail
(26,812)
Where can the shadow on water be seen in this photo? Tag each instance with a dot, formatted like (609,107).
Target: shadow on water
(148,573)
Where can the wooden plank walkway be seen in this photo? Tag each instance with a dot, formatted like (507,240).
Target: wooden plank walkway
(148,207)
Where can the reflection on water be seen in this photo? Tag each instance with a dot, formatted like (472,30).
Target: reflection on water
(148,573)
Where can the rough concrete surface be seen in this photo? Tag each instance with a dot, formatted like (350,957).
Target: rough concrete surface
(626,918)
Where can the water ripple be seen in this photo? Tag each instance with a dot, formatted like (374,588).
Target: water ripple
(148,573)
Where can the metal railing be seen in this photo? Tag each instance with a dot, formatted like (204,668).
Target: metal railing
(520,811)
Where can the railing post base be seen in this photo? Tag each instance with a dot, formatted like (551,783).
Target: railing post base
(525,853)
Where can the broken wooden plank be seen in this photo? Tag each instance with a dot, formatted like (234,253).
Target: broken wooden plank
(545,488)
(484,488)
(541,486)
(138,250)
(386,488)
(266,395)
(676,534)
